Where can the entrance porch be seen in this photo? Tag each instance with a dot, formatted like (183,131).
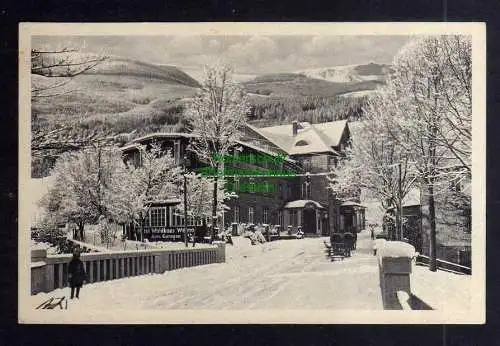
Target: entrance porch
(307,215)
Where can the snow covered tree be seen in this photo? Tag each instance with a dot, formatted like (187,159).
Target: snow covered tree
(426,111)
(83,184)
(215,117)
(199,192)
(374,163)
(156,178)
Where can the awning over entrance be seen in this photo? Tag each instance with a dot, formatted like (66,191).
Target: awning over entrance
(302,203)
(352,204)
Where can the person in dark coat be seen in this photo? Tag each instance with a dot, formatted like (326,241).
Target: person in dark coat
(76,273)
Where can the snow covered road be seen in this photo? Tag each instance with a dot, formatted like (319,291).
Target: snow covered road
(288,274)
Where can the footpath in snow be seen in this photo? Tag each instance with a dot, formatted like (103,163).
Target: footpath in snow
(288,274)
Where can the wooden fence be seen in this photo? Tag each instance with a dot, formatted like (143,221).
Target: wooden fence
(49,272)
(445,265)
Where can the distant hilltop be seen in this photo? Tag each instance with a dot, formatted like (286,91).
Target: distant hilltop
(349,80)
(118,66)
(349,73)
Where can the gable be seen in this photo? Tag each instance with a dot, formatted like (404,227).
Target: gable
(311,138)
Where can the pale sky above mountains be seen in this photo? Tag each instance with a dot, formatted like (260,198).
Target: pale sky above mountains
(247,54)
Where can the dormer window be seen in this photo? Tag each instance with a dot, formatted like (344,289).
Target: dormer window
(301,143)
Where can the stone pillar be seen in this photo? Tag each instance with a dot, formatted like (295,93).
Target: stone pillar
(220,252)
(395,260)
(38,271)
(162,262)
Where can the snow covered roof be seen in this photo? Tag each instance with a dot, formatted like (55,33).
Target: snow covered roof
(301,203)
(129,146)
(166,201)
(310,138)
(163,135)
(411,199)
(136,141)
(262,150)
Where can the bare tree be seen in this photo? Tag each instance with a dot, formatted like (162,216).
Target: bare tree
(58,67)
(51,72)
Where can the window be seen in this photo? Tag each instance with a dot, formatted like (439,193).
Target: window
(237,214)
(266,187)
(301,143)
(280,217)
(177,152)
(251,185)
(332,162)
(293,214)
(178,219)
(236,184)
(306,190)
(306,164)
(157,217)
(265,213)
(251,213)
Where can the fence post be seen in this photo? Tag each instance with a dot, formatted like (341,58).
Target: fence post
(395,260)
(220,252)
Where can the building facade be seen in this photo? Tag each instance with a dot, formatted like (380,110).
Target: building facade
(278,174)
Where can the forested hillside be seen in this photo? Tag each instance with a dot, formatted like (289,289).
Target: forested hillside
(124,99)
(313,109)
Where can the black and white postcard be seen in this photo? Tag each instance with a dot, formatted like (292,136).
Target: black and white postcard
(252,173)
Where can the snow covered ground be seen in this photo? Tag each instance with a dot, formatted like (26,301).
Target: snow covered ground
(442,290)
(289,274)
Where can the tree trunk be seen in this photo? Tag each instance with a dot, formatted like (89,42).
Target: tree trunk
(142,229)
(398,224)
(432,219)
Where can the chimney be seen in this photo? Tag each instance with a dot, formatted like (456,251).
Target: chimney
(295,127)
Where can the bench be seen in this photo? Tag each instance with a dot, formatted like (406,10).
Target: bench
(336,250)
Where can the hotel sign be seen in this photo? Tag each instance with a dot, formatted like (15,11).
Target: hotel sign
(167,233)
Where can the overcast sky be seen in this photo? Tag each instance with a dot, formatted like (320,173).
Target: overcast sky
(247,54)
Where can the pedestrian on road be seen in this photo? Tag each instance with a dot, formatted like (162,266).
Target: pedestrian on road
(76,273)
(372,232)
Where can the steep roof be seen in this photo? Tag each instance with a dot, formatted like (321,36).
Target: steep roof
(301,203)
(311,138)
(158,135)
